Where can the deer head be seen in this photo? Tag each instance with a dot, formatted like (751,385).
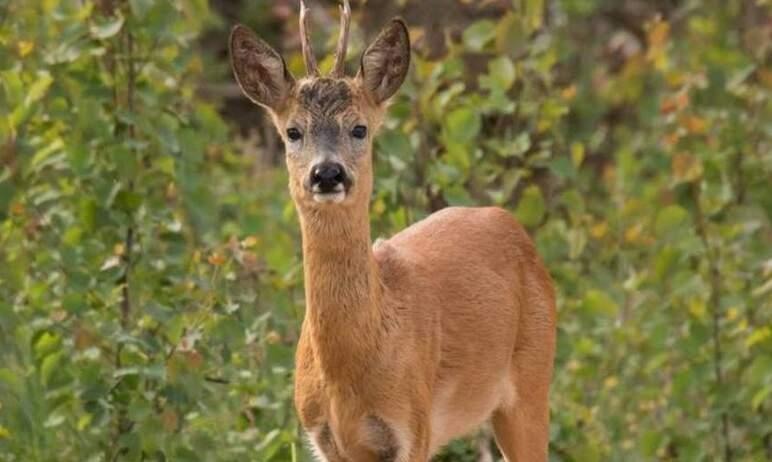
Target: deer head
(327,122)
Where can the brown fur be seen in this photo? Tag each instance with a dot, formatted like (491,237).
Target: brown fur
(419,340)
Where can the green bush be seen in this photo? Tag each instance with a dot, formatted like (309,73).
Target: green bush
(150,273)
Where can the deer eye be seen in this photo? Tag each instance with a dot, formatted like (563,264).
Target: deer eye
(294,134)
(359,132)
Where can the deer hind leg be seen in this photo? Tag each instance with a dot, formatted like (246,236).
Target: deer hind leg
(521,426)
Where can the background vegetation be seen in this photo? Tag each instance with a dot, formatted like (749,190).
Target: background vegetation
(150,272)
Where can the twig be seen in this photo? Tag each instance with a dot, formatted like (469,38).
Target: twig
(714,301)
(123,424)
(739,178)
(217,380)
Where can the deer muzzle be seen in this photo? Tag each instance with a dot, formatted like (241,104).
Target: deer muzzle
(329,182)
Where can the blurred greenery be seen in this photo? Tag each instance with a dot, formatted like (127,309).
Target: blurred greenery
(150,274)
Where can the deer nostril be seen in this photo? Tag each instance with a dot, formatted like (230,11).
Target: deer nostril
(327,172)
(327,176)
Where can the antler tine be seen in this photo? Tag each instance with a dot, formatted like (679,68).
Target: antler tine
(305,41)
(339,70)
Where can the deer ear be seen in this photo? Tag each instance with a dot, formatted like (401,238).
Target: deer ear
(260,71)
(386,61)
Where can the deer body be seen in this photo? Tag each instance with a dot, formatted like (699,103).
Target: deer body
(443,307)
(421,338)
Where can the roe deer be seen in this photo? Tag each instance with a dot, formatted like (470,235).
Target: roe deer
(420,338)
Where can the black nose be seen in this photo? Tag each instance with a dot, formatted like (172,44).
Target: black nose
(326,177)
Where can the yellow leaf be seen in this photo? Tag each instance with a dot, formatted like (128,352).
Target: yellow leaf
(569,93)
(249,242)
(695,125)
(216,259)
(633,233)
(379,208)
(611,382)
(671,139)
(686,167)
(758,336)
(732,313)
(577,153)
(674,103)
(83,422)
(4,432)
(17,209)
(697,308)
(273,337)
(599,230)
(659,31)
(658,35)
(25,47)
(119,249)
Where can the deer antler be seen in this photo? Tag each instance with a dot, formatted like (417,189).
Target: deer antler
(339,70)
(305,40)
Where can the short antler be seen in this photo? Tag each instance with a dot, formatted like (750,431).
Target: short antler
(339,70)
(305,40)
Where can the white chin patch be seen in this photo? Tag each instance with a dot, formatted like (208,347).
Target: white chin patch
(330,198)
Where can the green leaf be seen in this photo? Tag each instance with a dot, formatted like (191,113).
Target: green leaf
(534,14)
(127,201)
(107,29)
(760,397)
(38,88)
(394,143)
(46,343)
(510,34)
(49,366)
(502,72)
(462,125)
(597,301)
(669,219)
(531,208)
(140,8)
(479,34)
(10,379)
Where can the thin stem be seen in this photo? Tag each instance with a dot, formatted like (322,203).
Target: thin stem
(739,179)
(714,302)
(129,240)
(122,424)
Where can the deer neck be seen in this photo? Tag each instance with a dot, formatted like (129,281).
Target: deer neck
(343,291)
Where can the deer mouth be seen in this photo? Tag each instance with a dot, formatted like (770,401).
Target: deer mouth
(335,195)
